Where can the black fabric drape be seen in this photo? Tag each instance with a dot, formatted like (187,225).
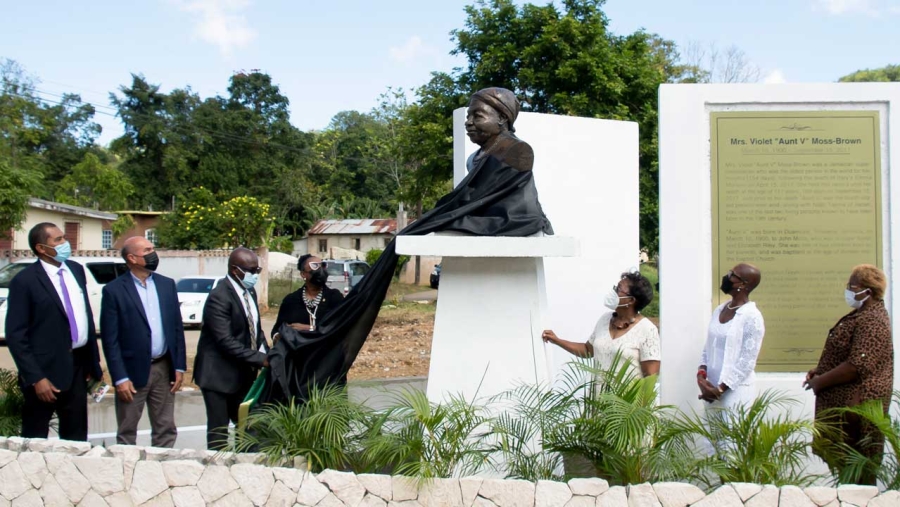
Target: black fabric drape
(493,200)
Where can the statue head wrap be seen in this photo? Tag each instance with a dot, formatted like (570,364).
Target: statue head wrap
(502,100)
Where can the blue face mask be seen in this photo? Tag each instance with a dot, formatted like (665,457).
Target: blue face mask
(250,279)
(63,252)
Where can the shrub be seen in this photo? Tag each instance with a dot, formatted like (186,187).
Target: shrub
(855,467)
(11,404)
(429,440)
(281,244)
(373,255)
(327,430)
(753,445)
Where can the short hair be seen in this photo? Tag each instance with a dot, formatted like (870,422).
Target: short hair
(872,278)
(124,253)
(38,235)
(641,289)
(302,261)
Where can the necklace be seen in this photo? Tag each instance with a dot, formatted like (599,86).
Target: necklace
(734,307)
(312,307)
(630,322)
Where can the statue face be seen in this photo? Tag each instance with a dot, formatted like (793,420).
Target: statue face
(482,122)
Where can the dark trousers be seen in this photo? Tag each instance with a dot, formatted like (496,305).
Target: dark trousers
(220,409)
(160,401)
(70,406)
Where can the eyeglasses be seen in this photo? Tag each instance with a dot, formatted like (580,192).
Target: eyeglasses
(255,271)
(732,273)
(314,265)
(617,290)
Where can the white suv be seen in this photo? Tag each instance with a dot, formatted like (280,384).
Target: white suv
(98,270)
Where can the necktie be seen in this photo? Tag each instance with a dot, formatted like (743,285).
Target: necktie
(70,313)
(250,320)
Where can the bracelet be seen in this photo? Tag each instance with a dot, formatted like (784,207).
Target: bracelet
(701,373)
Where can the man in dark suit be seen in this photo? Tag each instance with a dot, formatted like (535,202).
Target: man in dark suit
(232,346)
(51,336)
(143,341)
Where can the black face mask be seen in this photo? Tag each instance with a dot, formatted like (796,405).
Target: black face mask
(318,277)
(727,284)
(151,261)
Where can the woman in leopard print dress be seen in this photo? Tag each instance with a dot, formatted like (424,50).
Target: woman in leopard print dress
(857,365)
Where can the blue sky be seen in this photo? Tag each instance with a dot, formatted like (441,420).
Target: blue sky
(340,55)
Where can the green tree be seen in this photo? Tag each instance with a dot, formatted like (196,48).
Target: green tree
(94,184)
(196,224)
(564,60)
(245,222)
(43,136)
(16,187)
(890,73)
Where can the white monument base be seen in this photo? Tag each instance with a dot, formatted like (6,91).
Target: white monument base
(491,310)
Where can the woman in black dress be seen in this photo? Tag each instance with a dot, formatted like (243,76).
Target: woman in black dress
(302,308)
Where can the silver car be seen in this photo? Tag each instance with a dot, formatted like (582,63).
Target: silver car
(345,274)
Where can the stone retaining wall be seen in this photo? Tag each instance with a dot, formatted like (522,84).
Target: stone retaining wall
(54,473)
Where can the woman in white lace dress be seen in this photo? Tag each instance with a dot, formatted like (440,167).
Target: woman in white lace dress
(622,330)
(726,375)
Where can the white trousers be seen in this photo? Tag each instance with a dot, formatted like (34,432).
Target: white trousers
(729,402)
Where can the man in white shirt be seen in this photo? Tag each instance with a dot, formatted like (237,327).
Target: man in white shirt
(51,336)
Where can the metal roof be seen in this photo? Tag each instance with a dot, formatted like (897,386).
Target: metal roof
(354,226)
(70,209)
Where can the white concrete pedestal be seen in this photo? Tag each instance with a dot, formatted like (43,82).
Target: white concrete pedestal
(491,309)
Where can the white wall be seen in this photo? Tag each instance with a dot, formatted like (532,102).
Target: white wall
(345,241)
(685,212)
(586,173)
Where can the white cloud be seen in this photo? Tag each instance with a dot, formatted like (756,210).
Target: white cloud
(220,22)
(412,49)
(774,77)
(868,7)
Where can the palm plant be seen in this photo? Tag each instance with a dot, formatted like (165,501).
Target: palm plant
(856,466)
(752,444)
(427,440)
(607,416)
(518,434)
(328,430)
(621,429)
(11,404)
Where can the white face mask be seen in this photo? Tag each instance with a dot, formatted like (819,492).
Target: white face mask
(611,300)
(850,298)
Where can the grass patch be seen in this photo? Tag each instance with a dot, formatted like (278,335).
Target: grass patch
(650,272)
(279,288)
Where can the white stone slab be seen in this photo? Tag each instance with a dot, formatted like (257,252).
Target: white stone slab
(465,245)
(487,336)
(586,174)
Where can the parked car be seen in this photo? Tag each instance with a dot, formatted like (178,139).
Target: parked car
(192,294)
(345,274)
(98,271)
(435,276)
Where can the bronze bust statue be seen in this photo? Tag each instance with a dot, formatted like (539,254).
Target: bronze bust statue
(489,124)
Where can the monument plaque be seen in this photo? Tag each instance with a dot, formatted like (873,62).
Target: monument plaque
(798,194)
